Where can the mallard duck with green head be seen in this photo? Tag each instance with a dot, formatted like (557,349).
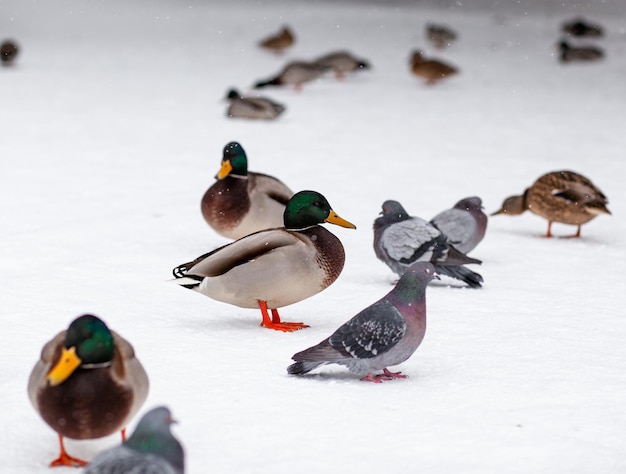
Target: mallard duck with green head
(240,201)
(560,196)
(87,384)
(275,267)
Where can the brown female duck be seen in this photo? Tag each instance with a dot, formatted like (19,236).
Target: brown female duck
(431,70)
(561,196)
(278,42)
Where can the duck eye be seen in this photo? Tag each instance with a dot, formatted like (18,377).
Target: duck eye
(317,204)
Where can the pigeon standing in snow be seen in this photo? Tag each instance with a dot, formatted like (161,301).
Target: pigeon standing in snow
(464,225)
(401,239)
(151,449)
(384,334)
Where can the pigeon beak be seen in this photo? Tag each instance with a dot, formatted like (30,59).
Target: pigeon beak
(436,276)
(333,218)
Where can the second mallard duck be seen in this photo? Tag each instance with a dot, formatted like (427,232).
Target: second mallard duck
(273,268)
(87,384)
(240,201)
(561,196)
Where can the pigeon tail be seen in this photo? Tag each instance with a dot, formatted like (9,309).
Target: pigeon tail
(303,367)
(473,279)
(456,257)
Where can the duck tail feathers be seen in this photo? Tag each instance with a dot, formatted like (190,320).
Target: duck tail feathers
(190,281)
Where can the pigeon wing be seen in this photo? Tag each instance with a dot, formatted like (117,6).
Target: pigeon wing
(372,332)
(457,225)
(410,240)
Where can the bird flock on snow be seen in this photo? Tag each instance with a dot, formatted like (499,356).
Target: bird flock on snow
(88,383)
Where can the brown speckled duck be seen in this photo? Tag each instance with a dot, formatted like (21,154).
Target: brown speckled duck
(278,42)
(240,201)
(273,268)
(431,70)
(87,384)
(561,196)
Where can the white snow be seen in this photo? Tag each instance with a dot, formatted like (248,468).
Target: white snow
(112,129)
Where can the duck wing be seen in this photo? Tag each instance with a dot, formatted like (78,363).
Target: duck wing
(580,191)
(250,247)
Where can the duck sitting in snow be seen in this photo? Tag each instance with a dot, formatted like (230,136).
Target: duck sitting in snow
(560,196)
(240,201)
(579,53)
(431,70)
(273,268)
(87,384)
(278,42)
(253,108)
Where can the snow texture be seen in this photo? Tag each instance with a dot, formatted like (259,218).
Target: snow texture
(113,128)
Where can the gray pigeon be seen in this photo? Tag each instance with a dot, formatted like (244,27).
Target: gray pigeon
(401,240)
(150,450)
(384,334)
(464,225)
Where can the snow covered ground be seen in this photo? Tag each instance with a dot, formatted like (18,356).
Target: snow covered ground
(113,128)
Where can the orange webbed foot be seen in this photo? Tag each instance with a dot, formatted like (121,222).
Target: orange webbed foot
(275,322)
(65,459)
(285,326)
